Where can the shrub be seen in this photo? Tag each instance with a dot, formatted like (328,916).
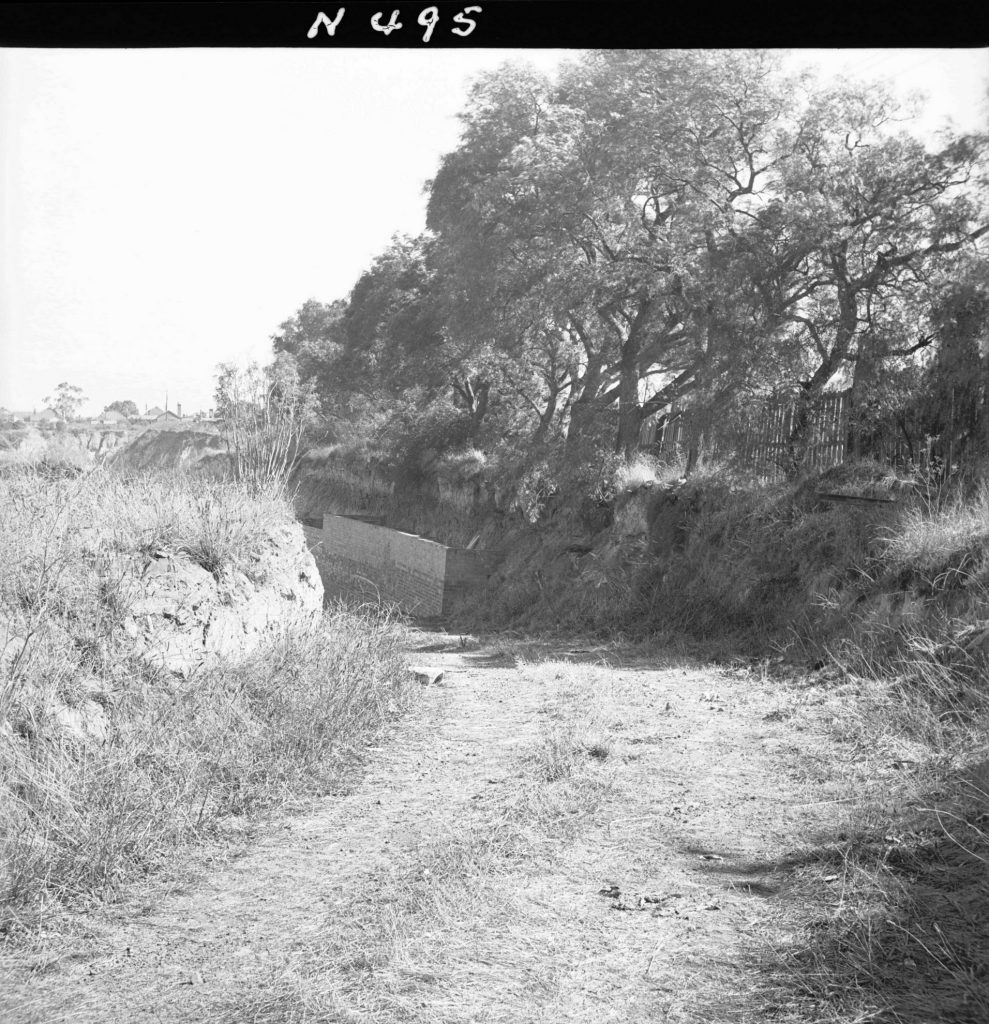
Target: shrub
(640,471)
(416,438)
(264,413)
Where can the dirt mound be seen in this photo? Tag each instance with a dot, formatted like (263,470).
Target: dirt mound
(171,449)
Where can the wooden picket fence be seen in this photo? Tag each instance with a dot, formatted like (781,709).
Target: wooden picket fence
(761,440)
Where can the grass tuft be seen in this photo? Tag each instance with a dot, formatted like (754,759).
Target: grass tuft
(945,543)
(900,931)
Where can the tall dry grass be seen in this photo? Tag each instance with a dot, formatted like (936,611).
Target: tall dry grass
(891,910)
(905,881)
(943,541)
(108,766)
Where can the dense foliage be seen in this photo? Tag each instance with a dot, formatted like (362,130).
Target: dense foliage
(660,227)
(125,408)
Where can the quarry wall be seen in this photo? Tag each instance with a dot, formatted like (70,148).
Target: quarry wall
(359,559)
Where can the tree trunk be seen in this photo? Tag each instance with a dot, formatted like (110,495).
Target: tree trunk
(583,407)
(813,388)
(629,411)
(482,394)
(474,396)
(863,376)
(545,419)
(629,408)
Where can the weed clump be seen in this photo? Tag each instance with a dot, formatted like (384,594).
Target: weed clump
(944,542)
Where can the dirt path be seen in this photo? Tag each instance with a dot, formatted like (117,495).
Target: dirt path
(692,807)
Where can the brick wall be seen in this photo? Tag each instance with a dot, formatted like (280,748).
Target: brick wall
(362,560)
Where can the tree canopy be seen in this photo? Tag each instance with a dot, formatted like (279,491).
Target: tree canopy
(67,400)
(658,227)
(125,408)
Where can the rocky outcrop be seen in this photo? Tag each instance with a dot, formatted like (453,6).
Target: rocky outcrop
(183,616)
(99,443)
(177,617)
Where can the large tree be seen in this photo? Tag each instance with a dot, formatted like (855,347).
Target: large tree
(866,224)
(313,337)
(398,336)
(125,408)
(67,400)
(654,229)
(618,185)
(703,226)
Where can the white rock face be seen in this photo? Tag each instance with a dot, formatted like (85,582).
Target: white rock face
(182,616)
(83,722)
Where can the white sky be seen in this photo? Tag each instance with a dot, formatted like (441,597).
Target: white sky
(162,211)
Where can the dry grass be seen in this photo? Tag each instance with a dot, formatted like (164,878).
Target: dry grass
(79,819)
(69,518)
(565,772)
(943,541)
(893,908)
(108,765)
(645,471)
(572,733)
(466,929)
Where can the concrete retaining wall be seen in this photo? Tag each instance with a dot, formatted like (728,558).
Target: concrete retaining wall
(360,559)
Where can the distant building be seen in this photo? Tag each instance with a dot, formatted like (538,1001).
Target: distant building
(158,415)
(111,416)
(22,416)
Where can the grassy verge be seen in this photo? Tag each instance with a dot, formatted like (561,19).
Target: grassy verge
(760,564)
(108,766)
(719,555)
(945,542)
(890,912)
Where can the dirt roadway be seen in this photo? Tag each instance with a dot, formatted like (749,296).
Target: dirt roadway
(698,804)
